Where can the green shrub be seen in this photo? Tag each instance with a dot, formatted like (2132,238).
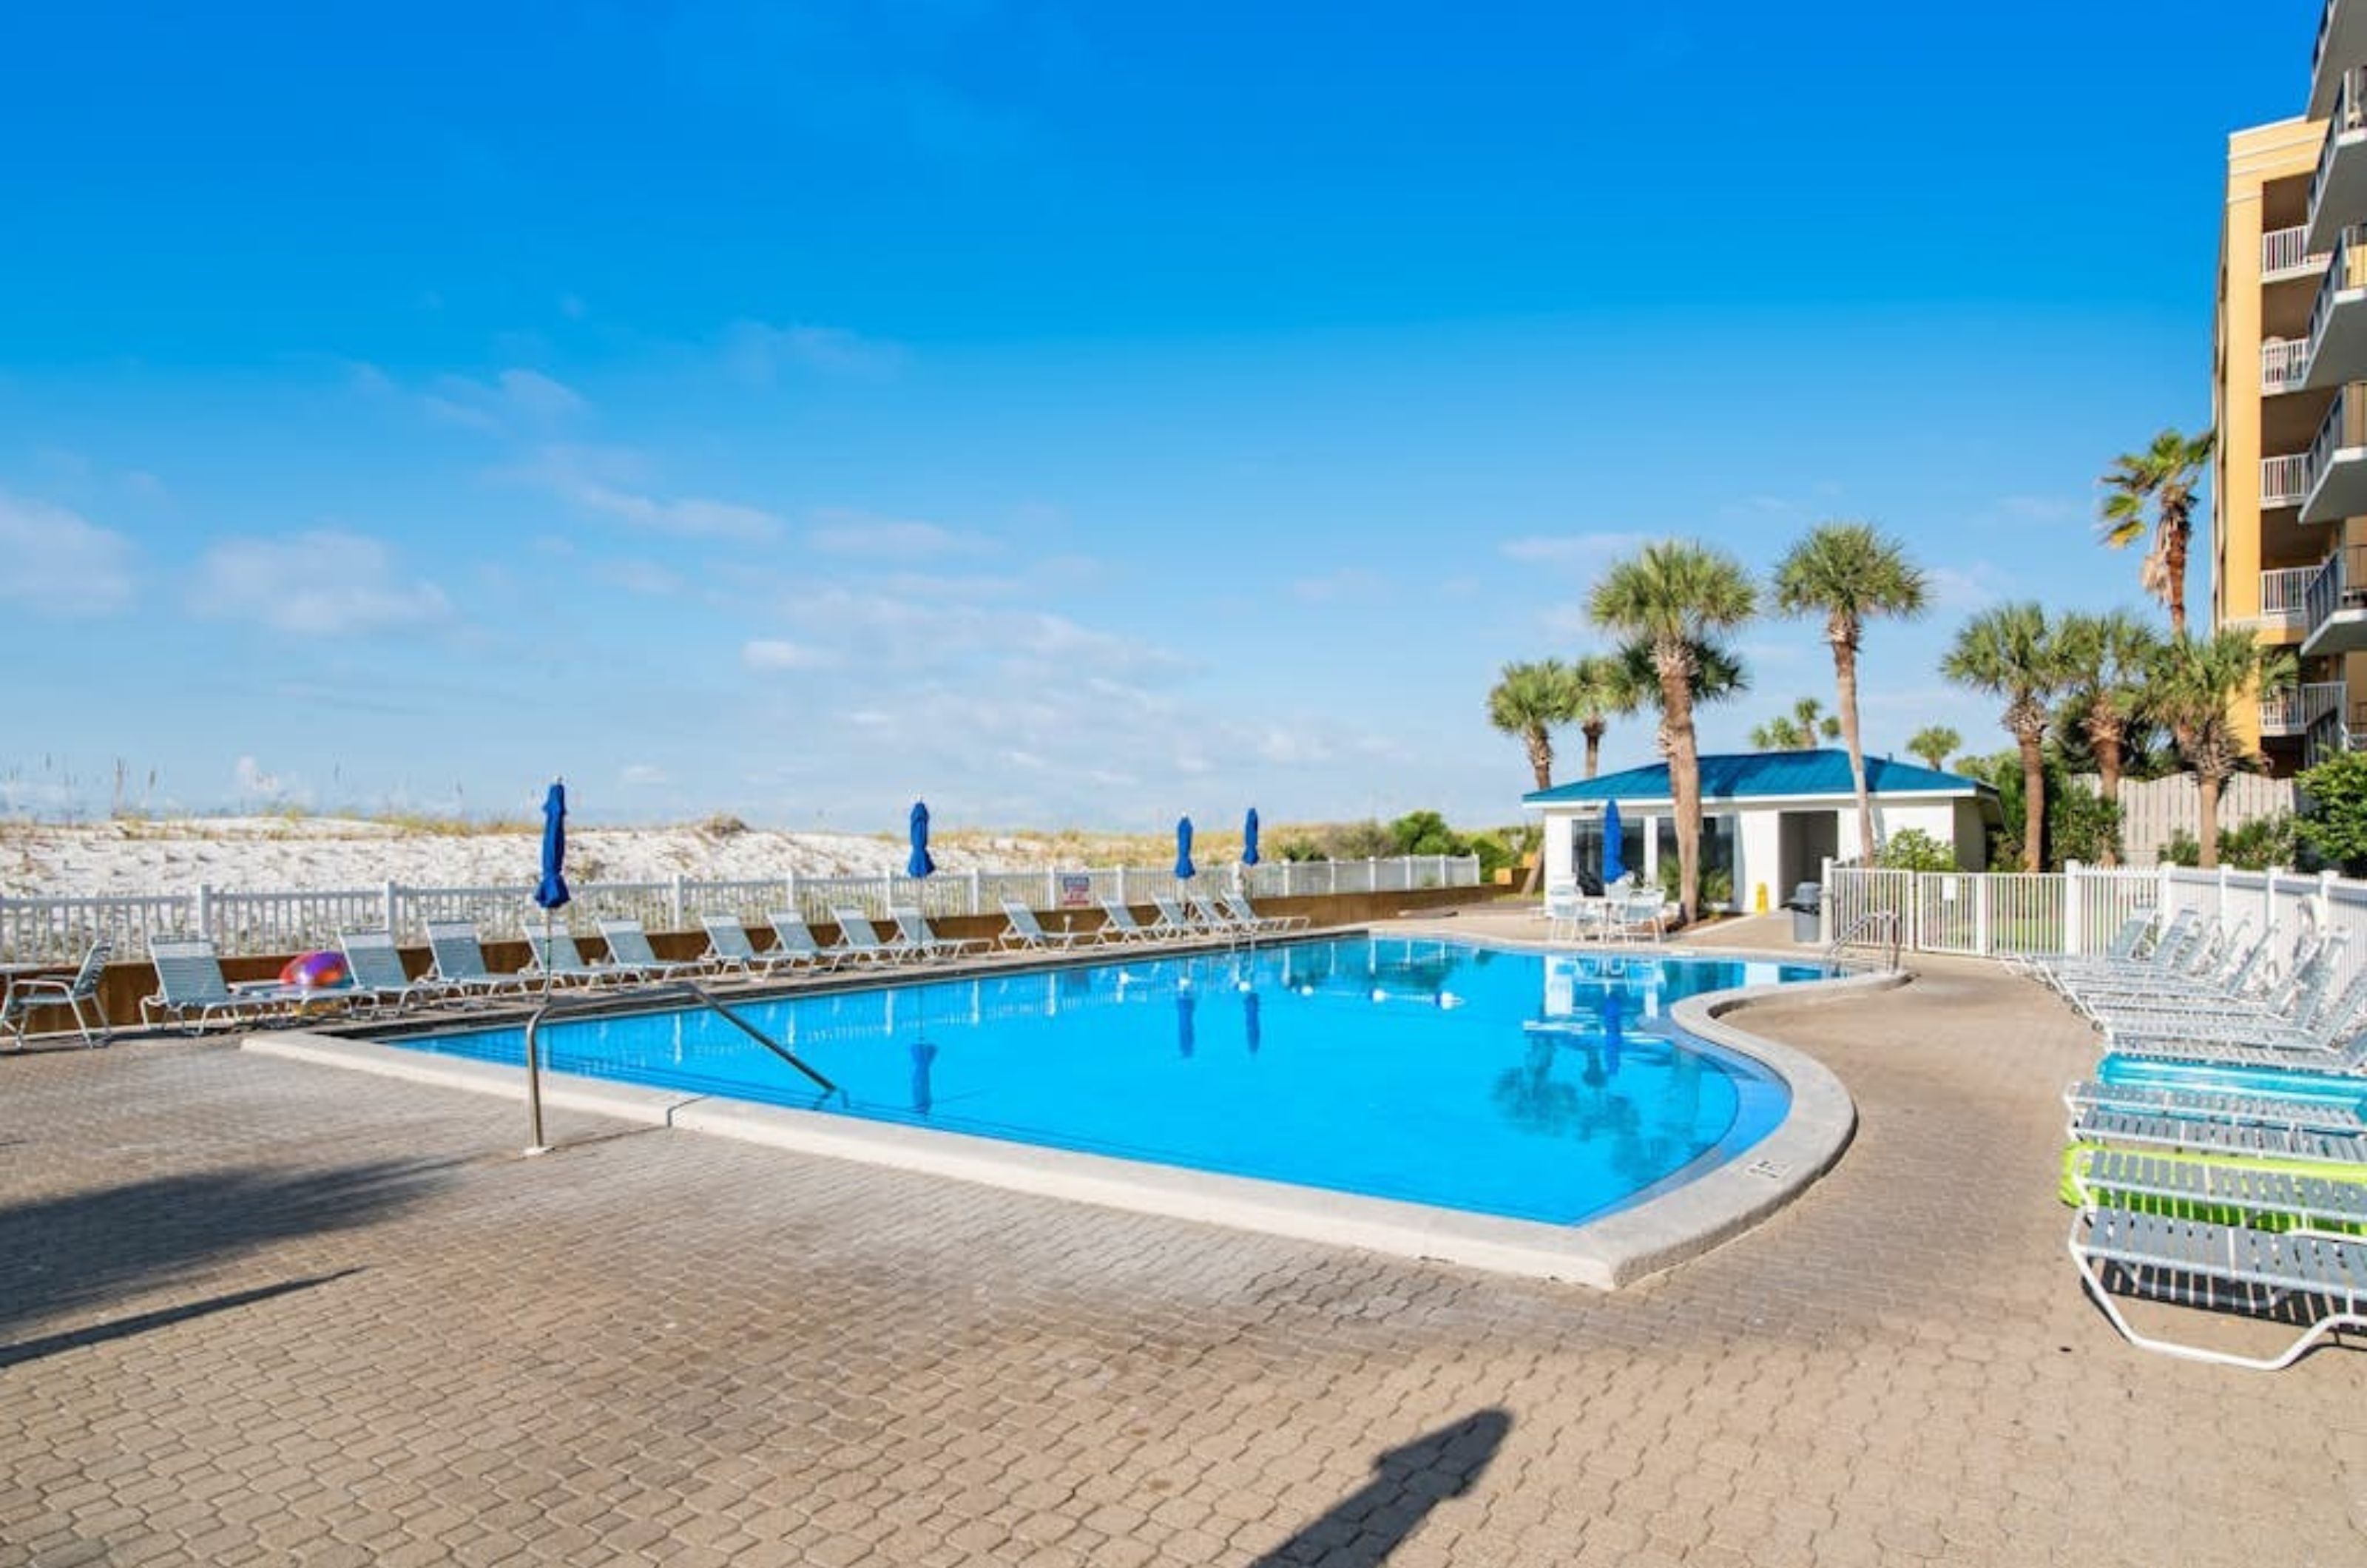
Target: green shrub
(1717,885)
(2265,841)
(2334,811)
(1915,850)
(2182,849)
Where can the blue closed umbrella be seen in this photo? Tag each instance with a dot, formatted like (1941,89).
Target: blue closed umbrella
(551,892)
(1249,838)
(1615,853)
(1186,1035)
(1251,1024)
(920,864)
(1184,871)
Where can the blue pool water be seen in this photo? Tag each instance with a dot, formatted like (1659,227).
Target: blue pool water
(1542,1088)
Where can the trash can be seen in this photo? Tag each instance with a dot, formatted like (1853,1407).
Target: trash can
(1807,905)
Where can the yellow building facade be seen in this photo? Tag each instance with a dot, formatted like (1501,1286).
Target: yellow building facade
(2289,489)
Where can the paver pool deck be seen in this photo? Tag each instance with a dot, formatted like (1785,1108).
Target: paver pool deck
(253,1310)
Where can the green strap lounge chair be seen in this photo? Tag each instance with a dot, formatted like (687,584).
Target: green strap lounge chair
(793,942)
(378,975)
(921,940)
(461,963)
(730,951)
(191,989)
(628,948)
(1023,933)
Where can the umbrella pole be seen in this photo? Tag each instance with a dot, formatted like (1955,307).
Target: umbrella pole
(535,1145)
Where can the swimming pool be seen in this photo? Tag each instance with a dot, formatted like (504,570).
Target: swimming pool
(1530,1086)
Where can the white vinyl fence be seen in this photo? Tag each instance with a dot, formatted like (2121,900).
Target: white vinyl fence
(2078,909)
(39,930)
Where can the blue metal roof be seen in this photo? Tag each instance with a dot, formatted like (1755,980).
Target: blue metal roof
(1764,775)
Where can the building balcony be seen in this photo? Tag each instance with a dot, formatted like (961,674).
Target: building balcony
(2284,364)
(2284,481)
(2284,601)
(2336,606)
(2335,485)
(2341,44)
(2338,191)
(2344,729)
(2293,709)
(2285,254)
(2337,350)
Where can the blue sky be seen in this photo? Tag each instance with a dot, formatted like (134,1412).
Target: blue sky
(1075,414)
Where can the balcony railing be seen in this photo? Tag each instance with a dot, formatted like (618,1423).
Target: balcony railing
(2285,591)
(2346,274)
(2286,252)
(2284,363)
(2349,116)
(2293,709)
(2344,429)
(2285,479)
(2340,584)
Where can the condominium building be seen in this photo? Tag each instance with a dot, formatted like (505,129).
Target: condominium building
(2289,490)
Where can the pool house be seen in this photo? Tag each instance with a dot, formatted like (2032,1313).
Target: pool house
(1770,820)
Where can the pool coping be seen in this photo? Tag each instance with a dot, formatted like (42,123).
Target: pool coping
(1606,1254)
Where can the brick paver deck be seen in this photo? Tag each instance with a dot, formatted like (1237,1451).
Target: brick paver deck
(254,1312)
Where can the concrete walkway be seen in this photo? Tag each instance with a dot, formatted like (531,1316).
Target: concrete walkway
(253,1312)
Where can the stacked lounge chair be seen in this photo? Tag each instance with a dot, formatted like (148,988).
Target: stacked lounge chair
(2219,1158)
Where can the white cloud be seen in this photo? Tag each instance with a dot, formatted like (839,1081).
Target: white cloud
(1537,548)
(1961,592)
(1346,582)
(512,400)
(255,781)
(54,562)
(844,532)
(325,583)
(759,352)
(640,577)
(771,653)
(586,479)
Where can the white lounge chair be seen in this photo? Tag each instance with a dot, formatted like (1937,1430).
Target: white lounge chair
(1025,934)
(1237,904)
(378,975)
(189,985)
(861,941)
(1118,919)
(921,940)
(793,942)
(461,963)
(556,958)
(23,993)
(628,948)
(730,950)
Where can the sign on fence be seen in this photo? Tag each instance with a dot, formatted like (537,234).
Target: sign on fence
(1076,890)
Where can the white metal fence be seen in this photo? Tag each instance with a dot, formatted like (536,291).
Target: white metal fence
(42,930)
(2077,910)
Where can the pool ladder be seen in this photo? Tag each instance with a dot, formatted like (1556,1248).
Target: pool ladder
(589,1002)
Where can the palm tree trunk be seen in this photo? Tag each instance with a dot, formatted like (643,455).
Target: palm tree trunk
(1845,682)
(1541,764)
(1685,781)
(2206,789)
(2108,772)
(2178,531)
(2033,800)
(1592,730)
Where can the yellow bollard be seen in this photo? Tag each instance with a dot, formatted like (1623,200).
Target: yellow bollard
(1758,899)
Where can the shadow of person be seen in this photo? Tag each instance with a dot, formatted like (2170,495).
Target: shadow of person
(1365,1527)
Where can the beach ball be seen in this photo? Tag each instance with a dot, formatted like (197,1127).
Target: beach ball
(314,971)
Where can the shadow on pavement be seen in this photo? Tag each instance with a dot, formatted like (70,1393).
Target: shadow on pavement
(126,1327)
(82,1250)
(1361,1530)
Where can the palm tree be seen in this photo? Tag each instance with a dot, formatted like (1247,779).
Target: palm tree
(1601,693)
(1528,701)
(2195,682)
(2011,652)
(1674,596)
(2107,661)
(1935,743)
(1798,730)
(2165,474)
(1717,676)
(1849,573)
